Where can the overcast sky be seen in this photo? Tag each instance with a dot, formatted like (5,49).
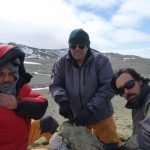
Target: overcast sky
(118,26)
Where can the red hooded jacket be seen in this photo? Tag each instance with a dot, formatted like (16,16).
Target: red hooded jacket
(15,124)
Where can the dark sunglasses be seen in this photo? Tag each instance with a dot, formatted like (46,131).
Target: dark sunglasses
(128,85)
(75,46)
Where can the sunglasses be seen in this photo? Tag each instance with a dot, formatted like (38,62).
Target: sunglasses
(128,85)
(75,46)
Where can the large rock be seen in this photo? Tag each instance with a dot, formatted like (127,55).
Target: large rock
(78,137)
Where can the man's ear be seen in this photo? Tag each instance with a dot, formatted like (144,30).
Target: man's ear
(140,82)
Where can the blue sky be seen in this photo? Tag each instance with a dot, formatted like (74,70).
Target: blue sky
(119,26)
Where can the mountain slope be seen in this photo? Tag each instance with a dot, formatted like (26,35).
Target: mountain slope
(32,52)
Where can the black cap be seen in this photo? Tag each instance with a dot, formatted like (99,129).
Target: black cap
(79,36)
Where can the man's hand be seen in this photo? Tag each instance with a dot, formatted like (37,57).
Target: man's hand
(8,101)
(82,118)
(114,146)
(65,111)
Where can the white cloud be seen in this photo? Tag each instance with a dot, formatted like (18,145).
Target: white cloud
(131,13)
(48,23)
(96,3)
(124,36)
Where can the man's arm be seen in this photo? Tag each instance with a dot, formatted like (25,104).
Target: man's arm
(104,92)
(58,92)
(30,104)
(57,85)
(142,138)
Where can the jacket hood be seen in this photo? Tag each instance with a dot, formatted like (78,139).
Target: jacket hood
(9,53)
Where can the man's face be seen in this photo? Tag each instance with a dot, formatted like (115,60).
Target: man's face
(78,52)
(6,77)
(128,87)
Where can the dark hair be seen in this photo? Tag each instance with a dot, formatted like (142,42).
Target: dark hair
(130,71)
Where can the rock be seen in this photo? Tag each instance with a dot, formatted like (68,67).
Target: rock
(40,144)
(78,137)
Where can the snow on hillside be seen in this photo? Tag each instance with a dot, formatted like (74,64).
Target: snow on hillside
(32,52)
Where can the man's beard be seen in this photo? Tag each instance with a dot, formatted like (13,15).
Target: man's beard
(137,100)
(8,88)
(132,97)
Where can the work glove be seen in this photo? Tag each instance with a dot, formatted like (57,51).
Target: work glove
(48,124)
(83,117)
(65,111)
(114,146)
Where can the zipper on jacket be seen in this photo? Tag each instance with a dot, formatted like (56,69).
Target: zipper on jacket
(84,70)
(80,88)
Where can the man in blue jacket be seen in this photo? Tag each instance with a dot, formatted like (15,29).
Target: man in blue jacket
(81,86)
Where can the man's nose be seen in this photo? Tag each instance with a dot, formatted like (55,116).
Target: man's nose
(126,91)
(6,78)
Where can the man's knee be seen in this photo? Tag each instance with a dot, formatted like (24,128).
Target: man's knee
(48,124)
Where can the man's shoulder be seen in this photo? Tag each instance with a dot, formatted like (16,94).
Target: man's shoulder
(148,96)
(24,90)
(61,60)
(99,57)
(148,99)
(98,54)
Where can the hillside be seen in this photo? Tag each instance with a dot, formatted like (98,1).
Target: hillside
(46,57)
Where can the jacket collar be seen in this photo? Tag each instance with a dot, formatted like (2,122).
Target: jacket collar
(88,58)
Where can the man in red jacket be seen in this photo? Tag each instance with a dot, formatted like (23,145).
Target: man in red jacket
(18,103)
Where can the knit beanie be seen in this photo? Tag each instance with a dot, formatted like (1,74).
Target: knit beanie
(11,89)
(79,36)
